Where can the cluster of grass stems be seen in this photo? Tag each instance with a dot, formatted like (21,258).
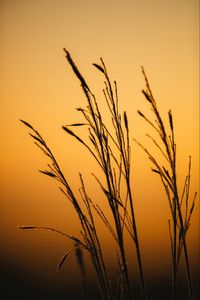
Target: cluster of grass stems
(110,147)
(181,210)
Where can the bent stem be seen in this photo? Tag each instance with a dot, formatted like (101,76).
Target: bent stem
(90,238)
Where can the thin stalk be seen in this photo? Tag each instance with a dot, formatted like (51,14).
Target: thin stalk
(139,259)
(174,254)
(183,235)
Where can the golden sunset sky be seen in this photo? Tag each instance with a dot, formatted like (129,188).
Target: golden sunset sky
(38,85)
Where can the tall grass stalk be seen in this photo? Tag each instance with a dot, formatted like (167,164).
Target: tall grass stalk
(181,209)
(110,147)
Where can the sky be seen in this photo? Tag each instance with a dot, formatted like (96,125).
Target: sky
(38,85)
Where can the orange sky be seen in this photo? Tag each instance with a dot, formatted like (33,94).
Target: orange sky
(37,84)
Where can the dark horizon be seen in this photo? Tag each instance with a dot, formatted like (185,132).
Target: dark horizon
(18,283)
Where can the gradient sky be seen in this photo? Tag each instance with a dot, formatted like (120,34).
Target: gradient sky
(36,84)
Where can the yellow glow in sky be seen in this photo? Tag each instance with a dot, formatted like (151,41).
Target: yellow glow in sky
(37,84)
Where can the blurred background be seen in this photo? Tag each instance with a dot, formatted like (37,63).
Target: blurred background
(37,85)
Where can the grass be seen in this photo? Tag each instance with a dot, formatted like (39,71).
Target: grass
(181,209)
(111,149)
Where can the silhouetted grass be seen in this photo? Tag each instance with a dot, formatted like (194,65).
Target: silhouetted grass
(110,147)
(180,207)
